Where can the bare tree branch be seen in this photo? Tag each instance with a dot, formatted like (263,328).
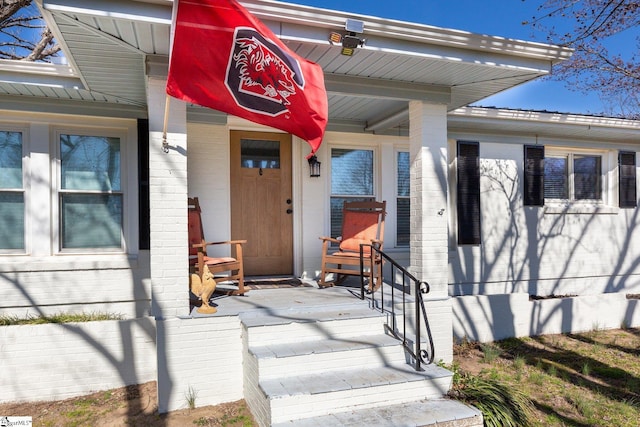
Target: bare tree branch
(24,34)
(614,76)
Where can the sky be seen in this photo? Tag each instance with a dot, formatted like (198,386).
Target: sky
(491,17)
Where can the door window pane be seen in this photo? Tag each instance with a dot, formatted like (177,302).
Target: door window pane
(259,153)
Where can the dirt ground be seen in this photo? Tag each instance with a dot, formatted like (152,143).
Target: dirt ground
(127,406)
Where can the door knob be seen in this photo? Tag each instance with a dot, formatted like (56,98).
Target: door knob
(289,211)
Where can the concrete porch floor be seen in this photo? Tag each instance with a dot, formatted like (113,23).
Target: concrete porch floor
(298,299)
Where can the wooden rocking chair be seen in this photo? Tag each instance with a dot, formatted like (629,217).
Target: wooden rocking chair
(362,223)
(198,257)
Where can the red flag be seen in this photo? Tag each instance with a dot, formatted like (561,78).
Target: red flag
(226,59)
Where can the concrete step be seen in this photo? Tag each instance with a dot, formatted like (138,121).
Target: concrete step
(318,356)
(309,325)
(322,363)
(435,412)
(337,391)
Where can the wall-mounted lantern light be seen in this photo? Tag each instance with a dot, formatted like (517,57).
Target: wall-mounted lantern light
(314,167)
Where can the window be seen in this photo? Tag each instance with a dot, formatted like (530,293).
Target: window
(12,210)
(572,176)
(403,202)
(576,176)
(351,180)
(468,193)
(90,192)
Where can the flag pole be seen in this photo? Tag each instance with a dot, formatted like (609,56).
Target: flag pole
(165,145)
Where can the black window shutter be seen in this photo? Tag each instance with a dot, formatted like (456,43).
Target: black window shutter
(143,184)
(468,187)
(533,175)
(627,179)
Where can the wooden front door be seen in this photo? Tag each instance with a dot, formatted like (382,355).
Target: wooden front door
(261,201)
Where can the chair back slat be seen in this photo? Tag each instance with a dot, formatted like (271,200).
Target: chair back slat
(196,232)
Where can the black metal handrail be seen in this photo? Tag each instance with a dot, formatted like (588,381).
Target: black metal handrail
(421,288)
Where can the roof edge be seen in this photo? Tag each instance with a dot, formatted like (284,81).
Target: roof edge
(471,114)
(319,17)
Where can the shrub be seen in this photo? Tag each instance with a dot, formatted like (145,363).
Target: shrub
(501,405)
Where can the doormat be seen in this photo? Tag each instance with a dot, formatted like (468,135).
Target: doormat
(274,283)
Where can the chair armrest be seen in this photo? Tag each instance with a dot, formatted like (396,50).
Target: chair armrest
(226,242)
(203,245)
(236,247)
(329,239)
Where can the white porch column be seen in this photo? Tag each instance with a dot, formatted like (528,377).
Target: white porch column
(168,205)
(429,229)
(180,339)
(168,234)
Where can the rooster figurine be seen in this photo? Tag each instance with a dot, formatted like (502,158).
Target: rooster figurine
(203,288)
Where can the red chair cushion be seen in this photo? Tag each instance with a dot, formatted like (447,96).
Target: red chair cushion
(358,228)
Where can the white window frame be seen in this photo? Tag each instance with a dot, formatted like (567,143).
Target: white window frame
(124,185)
(606,169)
(24,130)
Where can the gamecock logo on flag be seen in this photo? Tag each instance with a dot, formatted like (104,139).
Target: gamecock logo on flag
(261,77)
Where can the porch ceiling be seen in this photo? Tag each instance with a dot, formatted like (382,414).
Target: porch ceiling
(108,44)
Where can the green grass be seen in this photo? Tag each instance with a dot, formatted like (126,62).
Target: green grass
(58,318)
(191,395)
(490,352)
(569,379)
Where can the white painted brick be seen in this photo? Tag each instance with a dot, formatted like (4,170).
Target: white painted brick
(73,360)
(191,344)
